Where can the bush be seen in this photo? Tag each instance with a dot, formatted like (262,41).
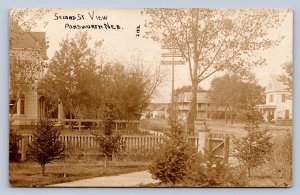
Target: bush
(173,160)
(208,170)
(14,138)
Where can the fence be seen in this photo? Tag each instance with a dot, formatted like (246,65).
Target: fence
(88,142)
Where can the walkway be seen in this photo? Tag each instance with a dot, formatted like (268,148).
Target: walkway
(134,179)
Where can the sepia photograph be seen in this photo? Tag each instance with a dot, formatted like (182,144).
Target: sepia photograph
(150,98)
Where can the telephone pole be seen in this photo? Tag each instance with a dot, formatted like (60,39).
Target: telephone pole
(172,52)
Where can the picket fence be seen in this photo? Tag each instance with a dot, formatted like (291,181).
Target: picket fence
(136,143)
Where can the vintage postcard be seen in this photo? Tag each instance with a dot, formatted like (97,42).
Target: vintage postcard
(187,97)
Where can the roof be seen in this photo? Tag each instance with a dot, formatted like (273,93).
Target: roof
(186,97)
(157,107)
(29,40)
(274,84)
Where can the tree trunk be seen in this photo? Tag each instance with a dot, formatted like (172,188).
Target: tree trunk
(193,110)
(231,116)
(194,79)
(43,170)
(226,115)
(249,172)
(105,161)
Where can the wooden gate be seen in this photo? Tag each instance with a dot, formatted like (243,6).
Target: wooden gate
(218,145)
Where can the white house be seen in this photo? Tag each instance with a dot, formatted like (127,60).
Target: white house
(278,105)
(31,104)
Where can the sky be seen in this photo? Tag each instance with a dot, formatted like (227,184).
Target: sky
(123,44)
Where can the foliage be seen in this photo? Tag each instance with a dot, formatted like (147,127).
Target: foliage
(131,88)
(82,83)
(253,150)
(287,78)
(213,40)
(208,170)
(172,162)
(233,93)
(46,146)
(70,74)
(14,138)
(109,144)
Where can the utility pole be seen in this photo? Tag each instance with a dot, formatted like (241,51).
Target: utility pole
(172,52)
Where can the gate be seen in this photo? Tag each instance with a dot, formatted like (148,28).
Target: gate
(218,146)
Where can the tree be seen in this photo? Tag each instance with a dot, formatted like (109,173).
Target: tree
(46,146)
(287,78)
(213,40)
(109,143)
(174,159)
(232,92)
(225,92)
(132,89)
(253,149)
(71,74)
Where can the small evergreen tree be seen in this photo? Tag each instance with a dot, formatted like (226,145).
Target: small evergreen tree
(253,149)
(109,143)
(172,162)
(46,146)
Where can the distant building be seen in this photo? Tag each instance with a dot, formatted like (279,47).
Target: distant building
(183,100)
(278,105)
(31,104)
(156,111)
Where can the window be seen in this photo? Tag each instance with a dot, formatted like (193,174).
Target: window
(12,104)
(270,98)
(22,104)
(283,97)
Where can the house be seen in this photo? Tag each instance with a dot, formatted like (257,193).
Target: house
(156,111)
(278,105)
(30,103)
(183,100)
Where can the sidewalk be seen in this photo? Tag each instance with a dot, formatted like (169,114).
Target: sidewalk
(134,179)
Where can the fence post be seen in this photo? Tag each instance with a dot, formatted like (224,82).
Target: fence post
(226,149)
(209,143)
(24,148)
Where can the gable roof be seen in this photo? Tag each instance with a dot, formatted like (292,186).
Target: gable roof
(156,107)
(274,84)
(30,41)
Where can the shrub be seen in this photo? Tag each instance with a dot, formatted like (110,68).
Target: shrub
(173,160)
(208,170)
(14,138)
(45,146)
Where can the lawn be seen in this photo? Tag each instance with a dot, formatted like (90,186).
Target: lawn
(29,173)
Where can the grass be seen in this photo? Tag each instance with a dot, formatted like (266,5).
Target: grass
(28,174)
